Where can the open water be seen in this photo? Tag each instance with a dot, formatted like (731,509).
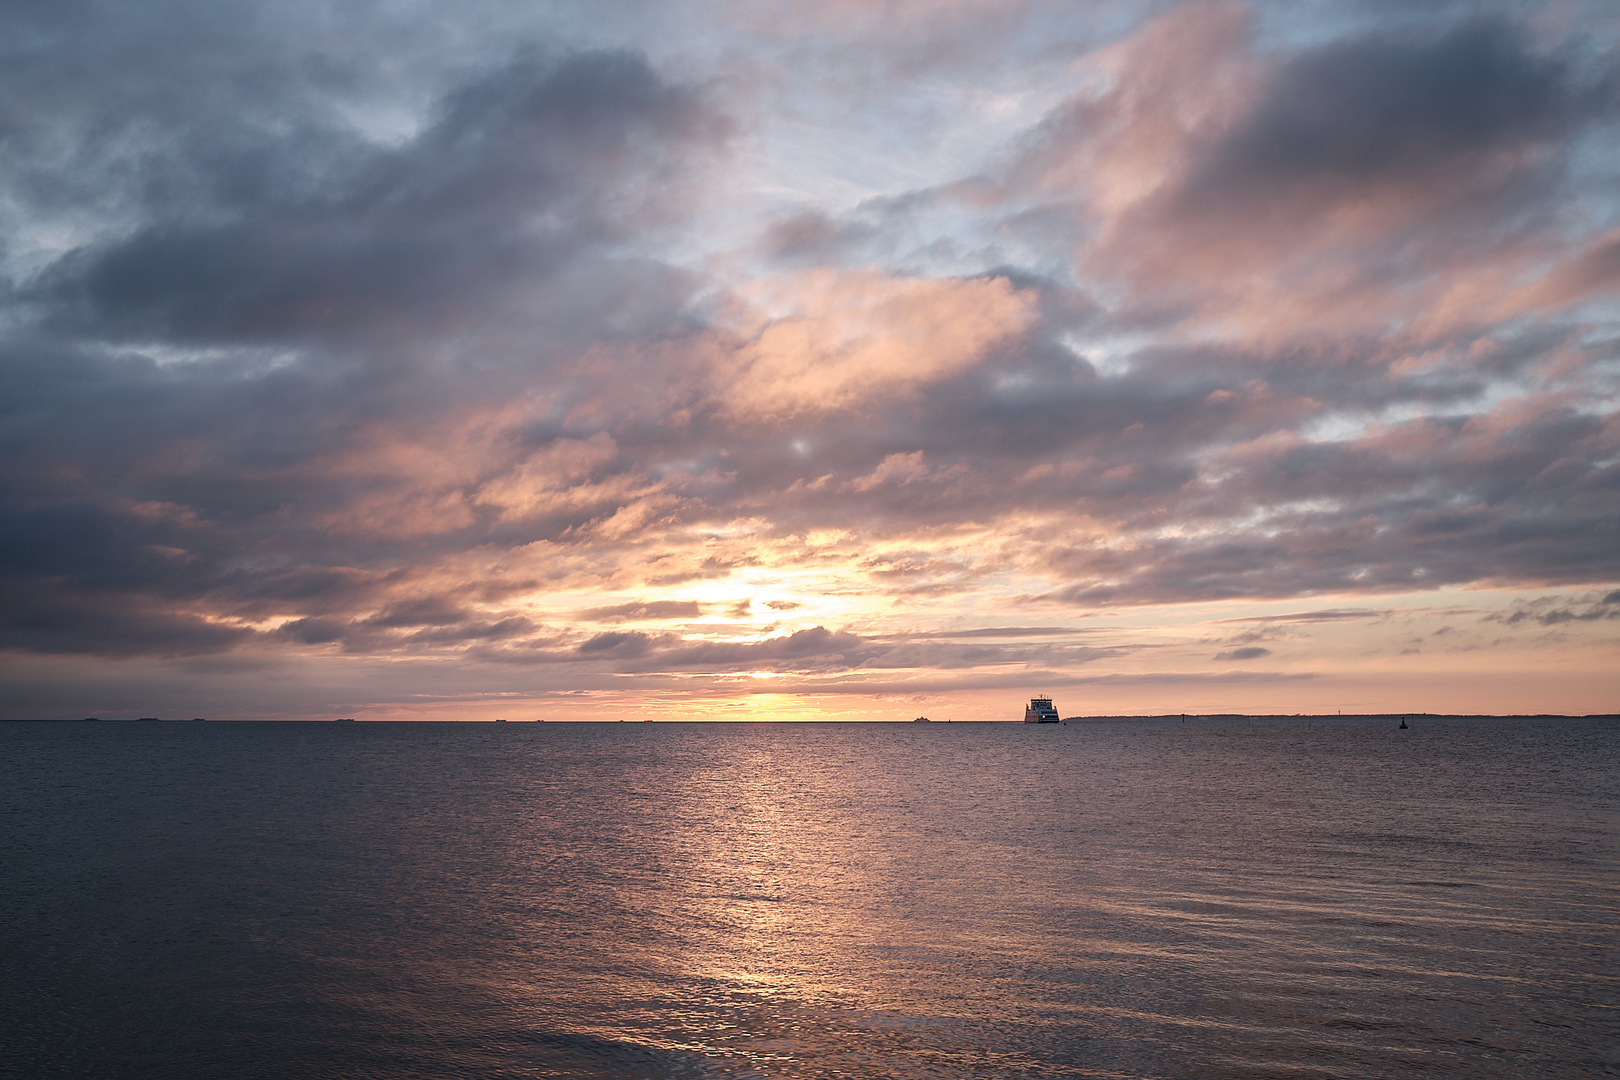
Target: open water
(1278,898)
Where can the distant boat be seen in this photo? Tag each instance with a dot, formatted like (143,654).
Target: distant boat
(922,720)
(140,718)
(1040,711)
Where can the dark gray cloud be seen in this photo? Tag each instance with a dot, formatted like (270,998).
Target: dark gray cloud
(1332,615)
(1552,610)
(656,609)
(813,651)
(523,172)
(636,651)
(46,618)
(1377,110)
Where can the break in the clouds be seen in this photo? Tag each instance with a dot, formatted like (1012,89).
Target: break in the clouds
(791,359)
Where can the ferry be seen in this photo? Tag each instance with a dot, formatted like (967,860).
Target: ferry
(1040,711)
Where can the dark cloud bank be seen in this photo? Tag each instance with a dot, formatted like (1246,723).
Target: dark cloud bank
(280,355)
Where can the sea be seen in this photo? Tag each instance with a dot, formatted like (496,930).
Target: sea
(1255,898)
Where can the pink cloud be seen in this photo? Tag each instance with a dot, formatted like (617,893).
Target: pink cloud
(826,340)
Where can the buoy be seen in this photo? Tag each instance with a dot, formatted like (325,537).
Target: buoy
(1403,723)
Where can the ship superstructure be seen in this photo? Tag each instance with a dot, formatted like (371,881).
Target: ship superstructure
(1040,711)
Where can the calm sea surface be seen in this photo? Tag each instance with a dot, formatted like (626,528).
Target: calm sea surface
(1135,899)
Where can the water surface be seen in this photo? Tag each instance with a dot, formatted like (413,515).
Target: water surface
(1137,899)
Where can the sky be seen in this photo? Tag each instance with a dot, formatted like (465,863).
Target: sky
(776,359)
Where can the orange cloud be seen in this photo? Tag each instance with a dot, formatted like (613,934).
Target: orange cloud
(557,476)
(834,339)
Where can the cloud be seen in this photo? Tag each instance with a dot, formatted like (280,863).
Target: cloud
(830,340)
(523,172)
(1248,652)
(1350,119)
(657,609)
(814,649)
(44,618)
(1556,609)
(598,348)
(1286,193)
(1334,615)
(262,359)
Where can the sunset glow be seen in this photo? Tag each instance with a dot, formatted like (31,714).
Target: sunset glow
(791,361)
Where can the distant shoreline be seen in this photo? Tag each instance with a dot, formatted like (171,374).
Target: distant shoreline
(1391,717)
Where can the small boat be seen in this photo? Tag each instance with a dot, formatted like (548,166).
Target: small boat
(1040,711)
(922,720)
